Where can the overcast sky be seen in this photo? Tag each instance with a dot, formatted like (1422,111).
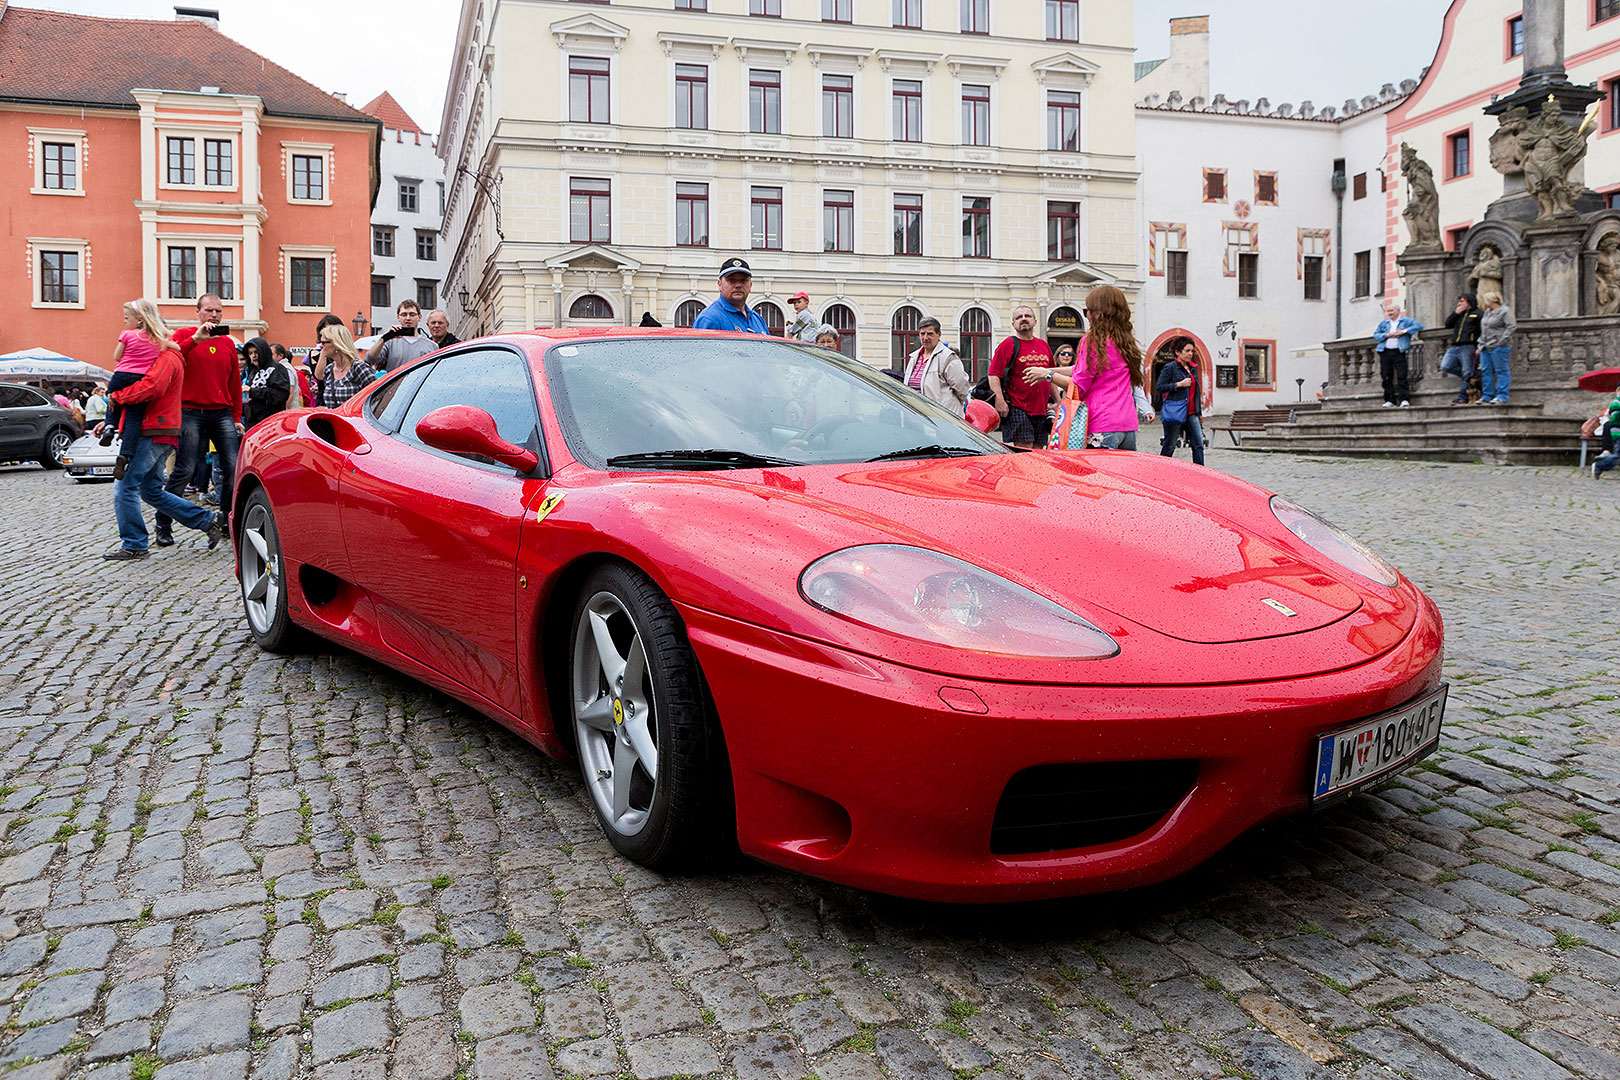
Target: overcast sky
(1259,48)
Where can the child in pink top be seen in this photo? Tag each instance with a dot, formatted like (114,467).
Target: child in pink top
(144,337)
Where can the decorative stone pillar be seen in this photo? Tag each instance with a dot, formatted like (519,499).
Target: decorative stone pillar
(1427,286)
(1555,270)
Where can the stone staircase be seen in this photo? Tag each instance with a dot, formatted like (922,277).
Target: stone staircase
(1356,425)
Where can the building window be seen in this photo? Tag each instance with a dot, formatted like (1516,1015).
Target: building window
(1062,120)
(587,90)
(382,241)
(687,314)
(908,14)
(1062,20)
(1459,155)
(427,294)
(1257,366)
(975,228)
(765,218)
(838,106)
(1358,186)
(1063,231)
(771,8)
(427,245)
(182,273)
(974,342)
(382,291)
(691,5)
(1214,185)
(775,321)
(590,214)
(903,336)
(908,227)
(1361,284)
(1175,273)
(1611,105)
(975,115)
(836,11)
(1454,238)
(1265,189)
(409,192)
(59,277)
(691,215)
(441,197)
(218,166)
(907,110)
(308,283)
(590,306)
(1605,10)
(1248,264)
(219,272)
(182,161)
(765,102)
(975,16)
(692,96)
(1515,36)
(842,319)
(1313,277)
(309,177)
(61,166)
(838,221)
(1383,267)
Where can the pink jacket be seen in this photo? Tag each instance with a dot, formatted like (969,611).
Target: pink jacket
(1107,393)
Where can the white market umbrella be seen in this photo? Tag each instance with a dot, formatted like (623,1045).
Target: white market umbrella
(42,363)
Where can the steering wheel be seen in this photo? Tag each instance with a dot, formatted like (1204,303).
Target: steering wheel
(821,428)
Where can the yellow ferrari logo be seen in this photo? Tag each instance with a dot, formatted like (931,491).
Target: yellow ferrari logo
(618,711)
(547,505)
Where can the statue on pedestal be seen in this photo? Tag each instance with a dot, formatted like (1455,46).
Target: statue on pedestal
(1486,276)
(1506,158)
(1551,146)
(1422,211)
(1607,274)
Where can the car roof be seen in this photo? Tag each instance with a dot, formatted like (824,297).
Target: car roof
(575,333)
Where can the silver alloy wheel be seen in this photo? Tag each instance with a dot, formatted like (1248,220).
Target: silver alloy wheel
(261,569)
(56,445)
(614,726)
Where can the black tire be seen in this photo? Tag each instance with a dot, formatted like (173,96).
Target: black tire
(57,440)
(686,815)
(267,617)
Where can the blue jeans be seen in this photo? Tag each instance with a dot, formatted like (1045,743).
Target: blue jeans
(1111,440)
(1493,373)
(220,428)
(1172,438)
(1459,360)
(143,479)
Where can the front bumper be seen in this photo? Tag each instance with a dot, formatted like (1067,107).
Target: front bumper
(858,771)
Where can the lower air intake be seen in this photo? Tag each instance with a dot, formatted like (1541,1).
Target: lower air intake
(1057,807)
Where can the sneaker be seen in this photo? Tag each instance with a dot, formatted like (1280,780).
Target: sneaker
(216,530)
(1406,404)
(123,554)
(1501,401)
(210,499)
(1459,401)
(120,463)
(107,436)
(163,538)
(190,490)
(1595,475)
(1389,404)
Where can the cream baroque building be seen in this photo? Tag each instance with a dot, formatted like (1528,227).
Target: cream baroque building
(892,158)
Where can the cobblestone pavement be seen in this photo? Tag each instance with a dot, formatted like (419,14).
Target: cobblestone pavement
(220,864)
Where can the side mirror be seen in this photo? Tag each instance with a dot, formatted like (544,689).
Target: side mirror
(467,429)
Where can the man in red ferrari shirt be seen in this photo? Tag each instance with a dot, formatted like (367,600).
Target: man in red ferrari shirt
(1023,419)
(211,404)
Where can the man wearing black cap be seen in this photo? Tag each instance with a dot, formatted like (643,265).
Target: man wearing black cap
(730,311)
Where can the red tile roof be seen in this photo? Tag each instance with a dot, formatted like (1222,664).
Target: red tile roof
(391,113)
(82,59)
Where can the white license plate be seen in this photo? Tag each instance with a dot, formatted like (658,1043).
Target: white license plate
(101,470)
(1352,756)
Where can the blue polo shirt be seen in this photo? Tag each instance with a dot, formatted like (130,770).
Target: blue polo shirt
(722,316)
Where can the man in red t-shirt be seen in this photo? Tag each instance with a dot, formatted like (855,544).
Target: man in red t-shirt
(211,404)
(1023,420)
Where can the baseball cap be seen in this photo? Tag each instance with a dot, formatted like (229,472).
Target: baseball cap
(735,265)
(799,296)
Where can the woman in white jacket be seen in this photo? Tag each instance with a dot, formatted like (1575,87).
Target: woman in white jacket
(935,371)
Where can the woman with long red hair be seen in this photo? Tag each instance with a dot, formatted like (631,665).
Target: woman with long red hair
(1107,373)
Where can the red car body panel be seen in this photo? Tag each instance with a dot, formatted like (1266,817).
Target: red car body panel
(856,755)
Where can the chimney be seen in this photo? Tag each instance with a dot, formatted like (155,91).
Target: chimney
(1189,53)
(207,16)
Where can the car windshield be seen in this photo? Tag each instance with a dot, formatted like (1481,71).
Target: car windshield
(714,403)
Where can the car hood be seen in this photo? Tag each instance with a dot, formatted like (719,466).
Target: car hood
(1185,554)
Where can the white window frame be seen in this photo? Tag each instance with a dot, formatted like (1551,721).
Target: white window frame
(197,133)
(308,149)
(198,242)
(289,252)
(37,138)
(38,244)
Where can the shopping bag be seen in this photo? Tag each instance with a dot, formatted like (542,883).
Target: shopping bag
(1070,424)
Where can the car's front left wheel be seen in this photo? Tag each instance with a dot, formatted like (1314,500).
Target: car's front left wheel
(263,577)
(649,750)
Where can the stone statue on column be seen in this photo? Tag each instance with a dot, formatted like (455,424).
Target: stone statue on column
(1486,275)
(1422,211)
(1506,157)
(1550,147)
(1607,273)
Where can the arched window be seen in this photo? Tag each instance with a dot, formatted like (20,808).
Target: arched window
(840,318)
(590,306)
(975,342)
(772,316)
(687,313)
(903,336)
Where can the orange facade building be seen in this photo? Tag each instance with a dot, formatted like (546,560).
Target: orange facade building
(163,159)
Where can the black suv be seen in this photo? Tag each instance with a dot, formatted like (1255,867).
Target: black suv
(33,427)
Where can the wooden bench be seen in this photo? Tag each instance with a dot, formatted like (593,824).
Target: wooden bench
(1253,420)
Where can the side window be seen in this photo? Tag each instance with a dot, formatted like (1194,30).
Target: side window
(14,397)
(388,403)
(494,380)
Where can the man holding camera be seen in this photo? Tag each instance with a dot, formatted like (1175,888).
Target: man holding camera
(210,404)
(402,342)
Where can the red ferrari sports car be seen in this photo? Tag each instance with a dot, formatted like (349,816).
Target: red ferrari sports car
(767,596)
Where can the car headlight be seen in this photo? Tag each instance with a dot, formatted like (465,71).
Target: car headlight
(931,597)
(1333,542)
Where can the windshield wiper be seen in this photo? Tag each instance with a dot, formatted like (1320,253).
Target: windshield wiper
(932,450)
(712,459)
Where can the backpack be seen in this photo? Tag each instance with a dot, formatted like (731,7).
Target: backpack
(981,389)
